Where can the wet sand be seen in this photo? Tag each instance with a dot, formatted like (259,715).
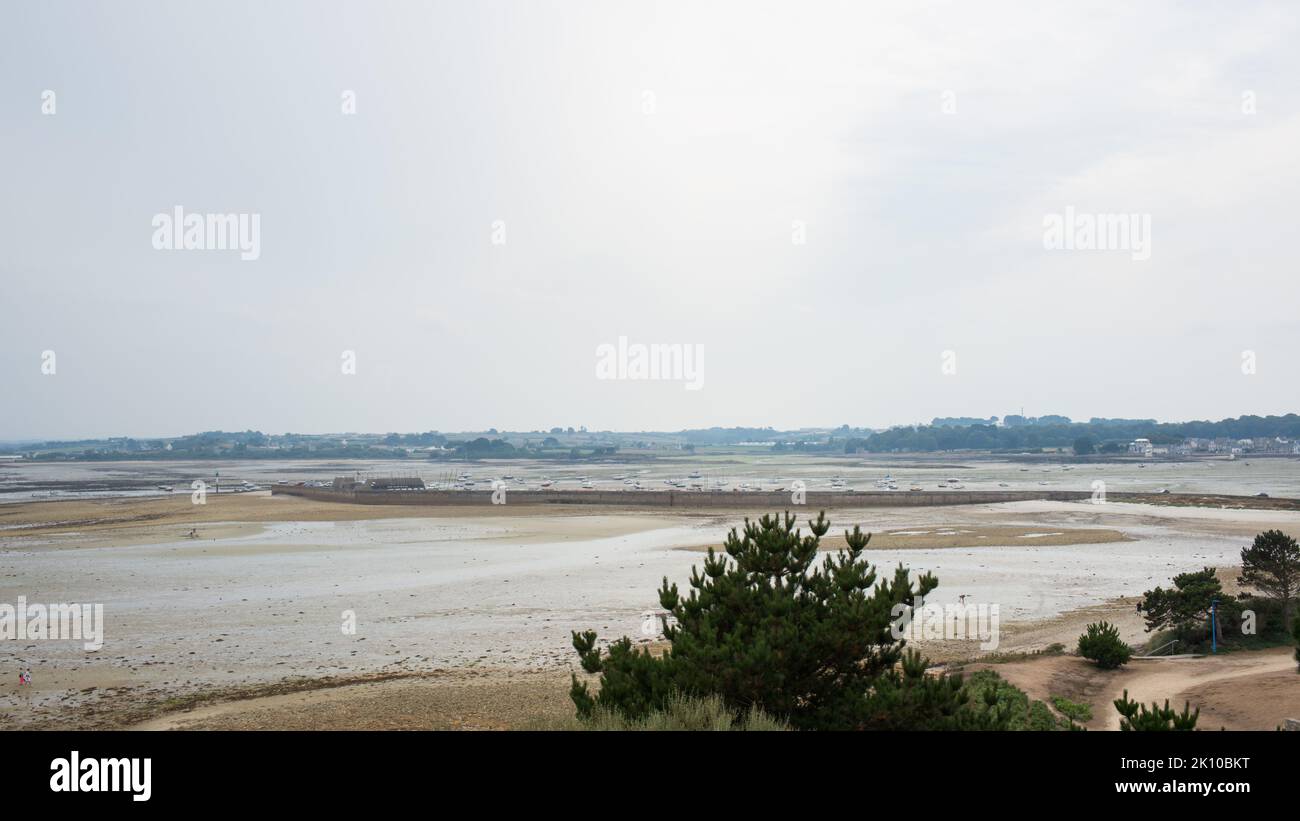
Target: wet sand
(1279,477)
(136,520)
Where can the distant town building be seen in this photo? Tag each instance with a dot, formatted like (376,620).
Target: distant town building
(1141,447)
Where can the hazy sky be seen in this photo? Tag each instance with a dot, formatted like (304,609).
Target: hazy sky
(649,166)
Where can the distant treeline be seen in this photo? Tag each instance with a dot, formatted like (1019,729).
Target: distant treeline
(1100,432)
(1015,433)
(728,436)
(550,448)
(784,440)
(249,444)
(236,452)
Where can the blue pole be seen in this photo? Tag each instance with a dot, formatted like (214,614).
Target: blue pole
(1214,626)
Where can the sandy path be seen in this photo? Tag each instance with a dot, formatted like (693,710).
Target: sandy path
(1235,675)
(1245,690)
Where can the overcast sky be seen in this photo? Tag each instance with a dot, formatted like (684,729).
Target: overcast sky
(651,168)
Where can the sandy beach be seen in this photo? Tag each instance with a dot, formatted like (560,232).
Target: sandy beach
(243,625)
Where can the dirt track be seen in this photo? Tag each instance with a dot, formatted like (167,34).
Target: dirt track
(1246,690)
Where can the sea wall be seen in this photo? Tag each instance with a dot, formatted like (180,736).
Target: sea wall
(681,499)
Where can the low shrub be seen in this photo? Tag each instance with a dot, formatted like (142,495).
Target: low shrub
(1103,646)
(1004,701)
(1072,710)
(1137,717)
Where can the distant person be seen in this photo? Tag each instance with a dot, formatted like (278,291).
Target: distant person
(22,679)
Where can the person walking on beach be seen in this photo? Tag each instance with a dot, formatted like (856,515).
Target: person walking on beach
(22,678)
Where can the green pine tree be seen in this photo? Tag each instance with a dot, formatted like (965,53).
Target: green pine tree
(1271,565)
(1136,717)
(768,626)
(1185,608)
(1102,645)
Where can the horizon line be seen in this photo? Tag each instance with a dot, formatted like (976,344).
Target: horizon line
(548,431)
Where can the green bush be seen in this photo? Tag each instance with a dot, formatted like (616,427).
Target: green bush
(1004,702)
(807,642)
(1072,710)
(1271,628)
(1102,645)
